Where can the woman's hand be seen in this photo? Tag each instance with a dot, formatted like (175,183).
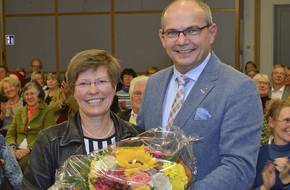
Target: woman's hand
(283,166)
(268,175)
(20,153)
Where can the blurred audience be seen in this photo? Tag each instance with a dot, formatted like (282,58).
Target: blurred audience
(28,121)
(151,70)
(279,90)
(287,80)
(3,72)
(123,94)
(39,77)
(252,72)
(263,85)
(10,88)
(54,91)
(35,66)
(250,65)
(19,75)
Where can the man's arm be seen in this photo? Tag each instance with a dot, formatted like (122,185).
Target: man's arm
(239,141)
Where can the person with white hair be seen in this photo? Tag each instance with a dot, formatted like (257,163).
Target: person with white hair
(263,86)
(136,92)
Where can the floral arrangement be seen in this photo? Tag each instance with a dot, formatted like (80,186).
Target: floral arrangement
(159,160)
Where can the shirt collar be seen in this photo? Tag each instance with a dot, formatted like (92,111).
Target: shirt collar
(194,73)
(133,113)
(279,90)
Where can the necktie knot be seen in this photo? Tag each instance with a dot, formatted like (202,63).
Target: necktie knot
(182,80)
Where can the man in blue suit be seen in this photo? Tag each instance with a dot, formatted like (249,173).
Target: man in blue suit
(220,104)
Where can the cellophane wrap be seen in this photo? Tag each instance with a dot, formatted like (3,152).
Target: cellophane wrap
(156,159)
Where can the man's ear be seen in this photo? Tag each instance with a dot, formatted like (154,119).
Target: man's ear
(161,36)
(213,31)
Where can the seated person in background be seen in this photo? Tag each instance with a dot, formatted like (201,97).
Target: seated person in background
(136,91)
(252,72)
(273,166)
(92,75)
(39,77)
(35,66)
(123,95)
(27,123)
(250,65)
(151,70)
(10,88)
(3,72)
(54,89)
(20,73)
(9,168)
(279,90)
(263,85)
(63,105)
(287,80)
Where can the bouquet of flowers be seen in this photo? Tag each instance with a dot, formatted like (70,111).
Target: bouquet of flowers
(156,159)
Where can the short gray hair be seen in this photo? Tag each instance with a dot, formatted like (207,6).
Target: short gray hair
(137,80)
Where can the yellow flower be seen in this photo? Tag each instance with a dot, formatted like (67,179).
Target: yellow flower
(176,174)
(134,158)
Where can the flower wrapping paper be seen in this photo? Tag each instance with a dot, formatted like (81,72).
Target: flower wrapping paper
(155,159)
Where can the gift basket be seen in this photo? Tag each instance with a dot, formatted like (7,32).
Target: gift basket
(156,159)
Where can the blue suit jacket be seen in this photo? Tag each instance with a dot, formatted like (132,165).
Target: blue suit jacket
(225,109)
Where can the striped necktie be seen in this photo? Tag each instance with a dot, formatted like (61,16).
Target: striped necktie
(178,100)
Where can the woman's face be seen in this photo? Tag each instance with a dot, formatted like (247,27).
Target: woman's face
(263,88)
(39,79)
(31,97)
(10,90)
(94,92)
(51,83)
(281,126)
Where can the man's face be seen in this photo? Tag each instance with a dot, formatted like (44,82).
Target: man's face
(278,75)
(137,96)
(35,66)
(187,51)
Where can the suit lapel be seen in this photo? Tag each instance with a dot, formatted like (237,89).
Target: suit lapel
(161,93)
(202,87)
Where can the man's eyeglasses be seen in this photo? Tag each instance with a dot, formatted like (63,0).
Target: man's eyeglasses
(189,32)
(99,83)
(284,121)
(280,73)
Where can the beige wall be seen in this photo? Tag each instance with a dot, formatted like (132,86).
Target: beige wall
(54,30)
(267,26)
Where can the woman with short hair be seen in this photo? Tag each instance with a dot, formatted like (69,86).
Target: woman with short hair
(92,75)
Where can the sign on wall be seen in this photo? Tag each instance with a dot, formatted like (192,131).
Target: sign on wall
(10,39)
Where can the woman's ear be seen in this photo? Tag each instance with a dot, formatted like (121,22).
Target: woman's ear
(271,122)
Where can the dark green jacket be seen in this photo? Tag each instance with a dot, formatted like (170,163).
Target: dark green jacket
(20,129)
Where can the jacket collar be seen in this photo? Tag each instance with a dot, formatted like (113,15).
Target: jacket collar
(73,132)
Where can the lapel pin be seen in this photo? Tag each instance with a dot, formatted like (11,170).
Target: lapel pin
(203,90)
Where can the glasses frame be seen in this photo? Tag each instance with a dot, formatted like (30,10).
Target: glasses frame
(188,32)
(100,83)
